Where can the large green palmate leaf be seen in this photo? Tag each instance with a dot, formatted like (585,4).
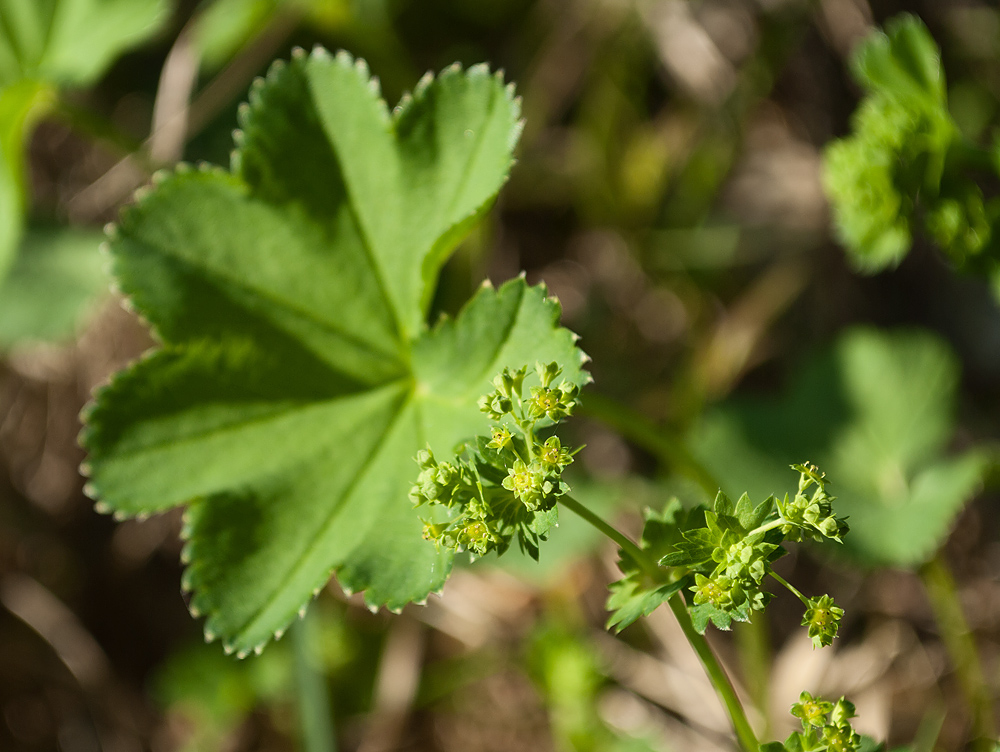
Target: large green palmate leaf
(297,378)
(875,413)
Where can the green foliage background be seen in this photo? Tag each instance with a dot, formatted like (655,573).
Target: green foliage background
(667,190)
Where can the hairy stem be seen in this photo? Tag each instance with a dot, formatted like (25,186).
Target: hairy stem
(717,675)
(315,719)
(961,646)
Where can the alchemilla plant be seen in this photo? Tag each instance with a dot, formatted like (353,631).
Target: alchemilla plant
(296,377)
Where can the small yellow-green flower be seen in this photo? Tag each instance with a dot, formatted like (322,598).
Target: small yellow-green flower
(811,710)
(500,437)
(823,619)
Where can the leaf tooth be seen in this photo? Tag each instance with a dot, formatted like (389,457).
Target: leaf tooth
(102,507)
(487,284)
(119,516)
(185,555)
(279,633)
(348,591)
(361,66)
(259,82)
(111,231)
(194,611)
(210,636)
(182,168)
(126,303)
(450,70)
(159,176)
(421,602)
(319,52)
(479,70)
(373,607)
(425,81)
(104,249)
(239,137)
(141,517)
(243,654)
(298,53)
(344,58)
(403,105)
(259,649)
(302,611)
(142,193)
(228,648)
(515,135)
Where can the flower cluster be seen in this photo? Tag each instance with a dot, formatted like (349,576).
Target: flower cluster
(825,725)
(811,515)
(822,616)
(728,556)
(507,484)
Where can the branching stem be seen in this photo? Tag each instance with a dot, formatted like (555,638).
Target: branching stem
(791,588)
(642,558)
(716,674)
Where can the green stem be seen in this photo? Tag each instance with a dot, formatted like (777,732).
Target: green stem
(768,526)
(961,646)
(724,688)
(639,429)
(789,586)
(315,718)
(642,558)
(715,672)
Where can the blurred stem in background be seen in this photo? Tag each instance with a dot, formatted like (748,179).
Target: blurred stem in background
(315,708)
(637,428)
(754,646)
(961,645)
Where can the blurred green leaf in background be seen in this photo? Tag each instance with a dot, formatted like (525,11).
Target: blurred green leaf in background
(876,411)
